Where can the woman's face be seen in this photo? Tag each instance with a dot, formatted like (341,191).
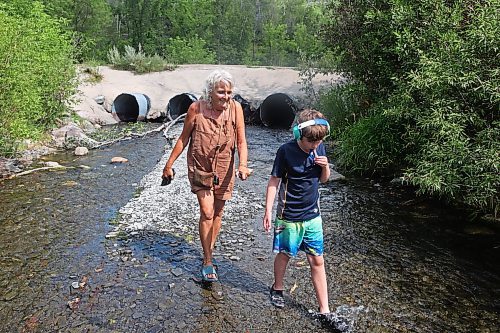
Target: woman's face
(221,95)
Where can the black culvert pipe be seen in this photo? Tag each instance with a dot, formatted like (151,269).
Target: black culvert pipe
(179,105)
(131,107)
(278,111)
(250,115)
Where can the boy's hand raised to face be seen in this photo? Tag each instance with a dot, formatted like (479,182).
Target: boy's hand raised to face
(322,161)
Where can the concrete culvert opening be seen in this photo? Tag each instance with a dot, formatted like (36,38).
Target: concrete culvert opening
(250,114)
(278,111)
(131,107)
(179,105)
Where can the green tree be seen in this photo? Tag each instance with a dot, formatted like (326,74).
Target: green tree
(234,31)
(89,21)
(36,72)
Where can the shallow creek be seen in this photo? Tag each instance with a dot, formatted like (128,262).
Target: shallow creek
(101,247)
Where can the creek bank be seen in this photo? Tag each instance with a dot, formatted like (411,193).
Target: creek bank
(94,100)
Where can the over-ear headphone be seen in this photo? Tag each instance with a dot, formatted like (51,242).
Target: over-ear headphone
(297,129)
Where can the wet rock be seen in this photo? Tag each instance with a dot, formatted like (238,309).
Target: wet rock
(73,304)
(177,272)
(100,99)
(51,164)
(81,151)
(118,159)
(71,135)
(10,295)
(137,315)
(9,166)
(155,329)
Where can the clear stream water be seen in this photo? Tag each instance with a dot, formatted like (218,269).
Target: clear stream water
(395,262)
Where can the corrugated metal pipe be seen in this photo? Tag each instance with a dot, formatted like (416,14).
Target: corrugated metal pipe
(278,111)
(131,107)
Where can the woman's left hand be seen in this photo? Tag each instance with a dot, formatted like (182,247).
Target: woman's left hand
(243,172)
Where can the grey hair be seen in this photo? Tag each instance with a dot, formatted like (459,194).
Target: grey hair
(213,78)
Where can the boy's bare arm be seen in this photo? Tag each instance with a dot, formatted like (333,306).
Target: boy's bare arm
(272,188)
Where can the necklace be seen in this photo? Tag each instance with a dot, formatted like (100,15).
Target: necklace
(222,112)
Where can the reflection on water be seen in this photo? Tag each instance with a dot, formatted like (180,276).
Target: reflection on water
(409,262)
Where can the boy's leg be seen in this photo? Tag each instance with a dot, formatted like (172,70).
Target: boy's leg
(318,276)
(280,263)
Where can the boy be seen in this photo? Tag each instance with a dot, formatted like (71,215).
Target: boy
(299,166)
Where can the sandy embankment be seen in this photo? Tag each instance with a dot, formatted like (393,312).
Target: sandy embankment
(253,83)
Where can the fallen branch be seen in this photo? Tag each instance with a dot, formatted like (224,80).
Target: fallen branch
(27,172)
(165,127)
(172,123)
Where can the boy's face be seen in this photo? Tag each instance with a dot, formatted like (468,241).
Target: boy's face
(308,144)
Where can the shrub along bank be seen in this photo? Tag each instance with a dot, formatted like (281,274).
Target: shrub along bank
(37,74)
(423,97)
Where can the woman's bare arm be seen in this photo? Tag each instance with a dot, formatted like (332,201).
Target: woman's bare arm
(183,139)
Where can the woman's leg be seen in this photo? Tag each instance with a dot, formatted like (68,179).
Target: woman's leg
(318,276)
(206,222)
(217,221)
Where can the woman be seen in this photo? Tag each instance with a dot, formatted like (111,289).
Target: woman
(213,127)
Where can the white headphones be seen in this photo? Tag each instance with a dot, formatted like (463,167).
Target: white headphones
(297,129)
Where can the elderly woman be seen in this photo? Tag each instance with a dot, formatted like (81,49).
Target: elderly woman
(213,127)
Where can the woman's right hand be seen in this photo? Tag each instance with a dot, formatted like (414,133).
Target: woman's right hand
(168,172)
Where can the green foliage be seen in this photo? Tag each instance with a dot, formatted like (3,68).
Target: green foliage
(137,60)
(433,66)
(461,168)
(37,75)
(88,21)
(372,144)
(229,32)
(276,43)
(93,73)
(343,105)
(188,51)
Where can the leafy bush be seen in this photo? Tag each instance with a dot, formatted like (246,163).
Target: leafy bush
(137,61)
(372,144)
(37,75)
(192,50)
(344,105)
(431,67)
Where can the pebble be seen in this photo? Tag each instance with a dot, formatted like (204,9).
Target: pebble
(177,272)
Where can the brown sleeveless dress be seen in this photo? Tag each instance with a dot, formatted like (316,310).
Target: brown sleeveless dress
(212,147)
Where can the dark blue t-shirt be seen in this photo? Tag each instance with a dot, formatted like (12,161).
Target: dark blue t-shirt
(298,196)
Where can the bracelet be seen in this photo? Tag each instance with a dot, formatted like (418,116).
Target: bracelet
(242,165)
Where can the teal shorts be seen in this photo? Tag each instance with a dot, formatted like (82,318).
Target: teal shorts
(290,237)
